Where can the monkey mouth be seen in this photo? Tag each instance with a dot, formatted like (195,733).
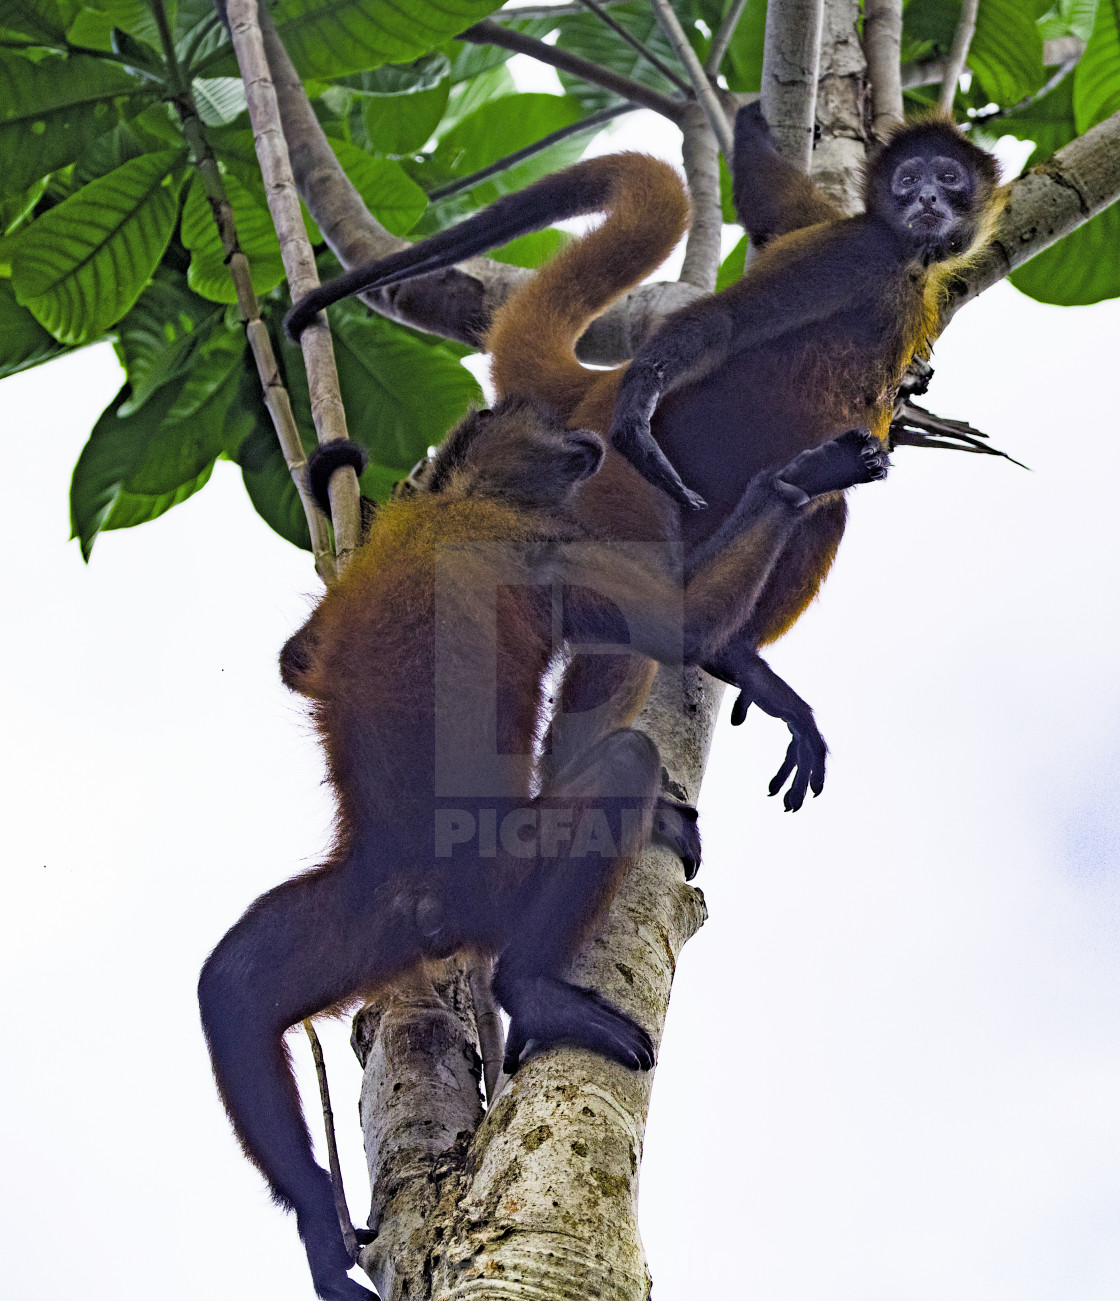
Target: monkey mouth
(928,220)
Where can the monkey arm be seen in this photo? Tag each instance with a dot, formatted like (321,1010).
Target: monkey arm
(741,666)
(771,196)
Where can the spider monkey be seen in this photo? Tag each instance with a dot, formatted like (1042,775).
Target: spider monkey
(813,340)
(424,666)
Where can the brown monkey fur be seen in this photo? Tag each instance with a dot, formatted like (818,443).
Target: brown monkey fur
(424,666)
(813,340)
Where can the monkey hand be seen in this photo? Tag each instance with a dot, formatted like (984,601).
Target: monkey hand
(758,684)
(548,1011)
(633,439)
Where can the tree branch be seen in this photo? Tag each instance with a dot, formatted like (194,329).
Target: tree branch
(958,54)
(276,397)
(489,33)
(701,86)
(931,71)
(299,264)
(790,69)
(722,38)
(882,41)
(1050,201)
(701,168)
(841,105)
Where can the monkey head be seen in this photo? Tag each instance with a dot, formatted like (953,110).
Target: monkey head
(519,452)
(934,188)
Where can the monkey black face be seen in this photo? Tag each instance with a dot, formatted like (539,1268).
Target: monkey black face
(932,185)
(518,451)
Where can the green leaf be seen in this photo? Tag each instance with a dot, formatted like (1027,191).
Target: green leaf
(330,38)
(742,64)
(1048,122)
(532,250)
(134,17)
(41,21)
(51,110)
(1068,18)
(220,100)
(208,274)
(502,127)
(733,265)
(934,21)
(267,478)
(389,192)
(1082,268)
(1006,51)
(15,210)
(586,35)
(403,124)
(82,265)
(158,339)
(466,96)
(401,395)
(23,341)
(1096,79)
(401,78)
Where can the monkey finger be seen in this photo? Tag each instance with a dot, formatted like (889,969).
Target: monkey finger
(789,763)
(739,708)
(635,442)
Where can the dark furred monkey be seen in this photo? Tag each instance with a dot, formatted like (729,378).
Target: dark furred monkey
(424,665)
(813,340)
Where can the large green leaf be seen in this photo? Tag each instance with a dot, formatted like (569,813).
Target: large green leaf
(268,482)
(587,35)
(82,265)
(136,467)
(23,341)
(389,192)
(208,274)
(1068,18)
(38,21)
(1048,122)
(532,250)
(1082,268)
(331,38)
(742,64)
(158,339)
(1006,51)
(1096,86)
(52,109)
(502,127)
(402,124)
(401,395)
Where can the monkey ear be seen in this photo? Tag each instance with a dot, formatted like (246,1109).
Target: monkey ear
(323,462)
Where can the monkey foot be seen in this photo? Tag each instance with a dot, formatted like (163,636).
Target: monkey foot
(675,827)
(805,759)
(547,1011)
(854,457)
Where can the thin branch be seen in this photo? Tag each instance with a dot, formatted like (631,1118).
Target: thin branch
(790,70)
(914,426)
(635,44)
(958,55)
(702,87)
(488,1022)
(701,168)
(345,1223)
(514,12)
(931,71)
(545,142)
(490,33)
(299,264)
(1047,86)
(882,41)
(722,38)
(260,343)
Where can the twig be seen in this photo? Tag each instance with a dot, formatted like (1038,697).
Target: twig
(272,386)
(722,38)
(546,11)
(958,55)
(882,41)
(634,43)
(914,426)
(490,33)
(545,142)
(931,71)
(702,87)
(349,1237)
(700,155)
(299,264)
(1059,76)
(790,68)
(488,1022)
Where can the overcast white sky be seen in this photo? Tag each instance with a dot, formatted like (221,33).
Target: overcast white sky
(891,1066)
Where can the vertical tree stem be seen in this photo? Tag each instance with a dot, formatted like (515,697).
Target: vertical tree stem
(882,43)
(299,264)
(723,37)
(701,167)
(671,26)
(962,39)
(272,386)
(790,68)
(341,1209)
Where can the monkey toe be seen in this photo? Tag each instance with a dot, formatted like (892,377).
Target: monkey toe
(739,709)
(675,828)
(805,761)
(551,1012)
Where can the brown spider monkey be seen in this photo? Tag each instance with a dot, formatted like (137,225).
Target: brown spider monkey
(813,340)
(424,666)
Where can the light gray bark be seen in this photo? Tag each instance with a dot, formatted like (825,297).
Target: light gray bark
(790,63)
(882,41)
(842,138)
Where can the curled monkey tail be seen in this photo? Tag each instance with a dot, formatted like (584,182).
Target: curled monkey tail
(533,335)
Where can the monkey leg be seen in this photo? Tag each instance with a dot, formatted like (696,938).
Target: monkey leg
(740,665)
(306,946)
(593,820)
